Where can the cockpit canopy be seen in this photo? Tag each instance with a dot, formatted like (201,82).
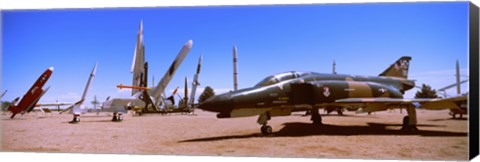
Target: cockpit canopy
(280,77)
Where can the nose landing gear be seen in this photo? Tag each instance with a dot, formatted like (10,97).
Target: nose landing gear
(263,119)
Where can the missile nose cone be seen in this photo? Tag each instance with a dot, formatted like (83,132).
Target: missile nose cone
(189,43)
(50,68)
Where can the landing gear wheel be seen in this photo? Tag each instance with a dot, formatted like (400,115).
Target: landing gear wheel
(317,119)
(75,120)
(405,121)
(406,125)
(266,130)
(340,112)
(119,117)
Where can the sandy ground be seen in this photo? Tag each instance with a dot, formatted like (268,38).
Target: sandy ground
(375,136)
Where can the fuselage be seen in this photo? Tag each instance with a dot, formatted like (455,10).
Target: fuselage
(296,90)
(33,95)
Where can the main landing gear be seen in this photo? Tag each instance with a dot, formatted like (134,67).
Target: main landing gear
(263,119)
(117,117)
(410,122)
(316,118)
(76,119)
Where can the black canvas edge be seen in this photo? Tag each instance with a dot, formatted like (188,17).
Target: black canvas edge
(473,84)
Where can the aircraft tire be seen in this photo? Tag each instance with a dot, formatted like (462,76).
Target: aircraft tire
(340,112)
(406,125)
(266,130)
(316,119)
(405,121)
(75,120)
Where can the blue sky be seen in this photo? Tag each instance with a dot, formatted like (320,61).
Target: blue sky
(363,39)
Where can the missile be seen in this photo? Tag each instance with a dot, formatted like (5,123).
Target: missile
(138,62)
(195,82)
(458,78)
(186,94)
(171,71)
(33,94)
(334,71)
(235,73)
(3,94)
(92,74)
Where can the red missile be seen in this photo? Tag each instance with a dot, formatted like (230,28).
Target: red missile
(33,94)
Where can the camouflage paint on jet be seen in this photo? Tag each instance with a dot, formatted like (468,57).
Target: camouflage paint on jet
(279,95)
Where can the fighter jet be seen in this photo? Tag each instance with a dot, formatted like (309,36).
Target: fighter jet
(281,94)
(32,96)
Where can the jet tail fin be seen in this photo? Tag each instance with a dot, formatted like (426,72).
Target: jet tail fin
(398,69)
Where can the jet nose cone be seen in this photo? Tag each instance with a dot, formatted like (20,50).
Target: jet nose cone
(220,103)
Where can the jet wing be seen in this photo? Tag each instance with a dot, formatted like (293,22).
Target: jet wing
(54,104)
(117,105)
(379,104)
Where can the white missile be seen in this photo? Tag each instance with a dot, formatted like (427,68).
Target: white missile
(235,73)
(195,82)
(171,71)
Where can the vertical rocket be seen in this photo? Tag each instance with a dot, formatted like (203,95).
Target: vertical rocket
(334,70)
(235,73)
(457,75)
(185,99)
(195,82)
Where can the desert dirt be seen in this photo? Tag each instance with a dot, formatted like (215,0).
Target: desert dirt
(375,136)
